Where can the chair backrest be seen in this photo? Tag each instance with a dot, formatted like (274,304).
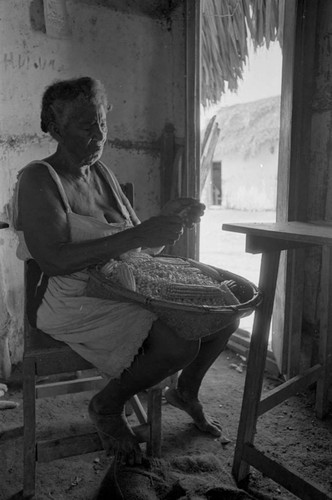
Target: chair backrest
(128,189)
(35,287)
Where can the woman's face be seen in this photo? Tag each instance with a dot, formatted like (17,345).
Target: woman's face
(83,132)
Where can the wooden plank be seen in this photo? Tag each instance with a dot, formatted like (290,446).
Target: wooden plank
(29,422)
(301,89)
(53,449)
(325,334)
(259,244)
(280,319)
(55,362)
(138,409)
(288,389)
(69,386)
(207,155)
(11,433)
(290,231)
(298,58)
(294,296)
(191,164)
(256,363)
(286,109)
(285,476)
(128,189)
(153,447)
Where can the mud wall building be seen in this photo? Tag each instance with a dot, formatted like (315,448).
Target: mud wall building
(136,51)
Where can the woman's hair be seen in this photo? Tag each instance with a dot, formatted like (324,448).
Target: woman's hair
(59,97)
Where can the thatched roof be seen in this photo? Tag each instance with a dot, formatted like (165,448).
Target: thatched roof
(227,26)
(245,129)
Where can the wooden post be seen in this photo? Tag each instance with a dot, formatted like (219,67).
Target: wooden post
(29,423)
(325,334)
(293,170)
(256,363)
(192,114)
(153,446)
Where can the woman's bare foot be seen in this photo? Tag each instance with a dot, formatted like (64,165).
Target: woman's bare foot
(117,436)
(195,409)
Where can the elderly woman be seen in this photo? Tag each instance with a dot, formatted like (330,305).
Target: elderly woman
(71,214)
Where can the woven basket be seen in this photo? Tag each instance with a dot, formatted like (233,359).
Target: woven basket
(189,321)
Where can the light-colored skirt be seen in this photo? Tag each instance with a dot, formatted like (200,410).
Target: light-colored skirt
(105,332)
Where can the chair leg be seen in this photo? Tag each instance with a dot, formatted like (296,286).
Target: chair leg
(138,409)
(29,428)
(153,447)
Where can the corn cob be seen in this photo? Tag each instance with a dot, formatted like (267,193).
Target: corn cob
(161,279)
(173,273)
(229,297)
(150,287)
(125,276)
(108,268)
(208,295)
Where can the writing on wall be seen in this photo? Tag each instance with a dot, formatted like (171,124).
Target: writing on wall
(14,61)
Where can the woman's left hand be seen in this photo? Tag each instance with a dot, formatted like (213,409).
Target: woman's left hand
(189,209)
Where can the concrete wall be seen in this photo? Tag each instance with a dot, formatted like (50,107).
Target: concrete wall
(140,60)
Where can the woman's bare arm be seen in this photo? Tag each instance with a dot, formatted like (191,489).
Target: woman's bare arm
(46,231)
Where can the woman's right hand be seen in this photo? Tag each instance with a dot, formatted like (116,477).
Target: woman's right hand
(159,231)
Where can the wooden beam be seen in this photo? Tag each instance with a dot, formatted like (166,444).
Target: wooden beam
(192,116)
(288,478)
(70,386)
(139,410)
(53,449)
(325,334)
(289,388)
(255,366)
(293,164)
(153,446)
(257,244)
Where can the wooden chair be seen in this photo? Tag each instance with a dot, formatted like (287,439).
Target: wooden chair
(44,361)
(6,405)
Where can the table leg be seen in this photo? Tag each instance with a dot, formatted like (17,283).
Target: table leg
(325,336)
(256,362)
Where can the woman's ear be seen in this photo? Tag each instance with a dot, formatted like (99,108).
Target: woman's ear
(54,130)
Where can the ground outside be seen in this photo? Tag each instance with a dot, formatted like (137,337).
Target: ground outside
(289,433)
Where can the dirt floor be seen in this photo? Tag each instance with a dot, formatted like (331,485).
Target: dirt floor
(289,433)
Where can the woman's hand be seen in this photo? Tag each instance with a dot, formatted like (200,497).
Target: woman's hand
(189,209)
(159,231)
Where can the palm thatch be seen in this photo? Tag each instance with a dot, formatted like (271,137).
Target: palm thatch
(227,27)
(245,129)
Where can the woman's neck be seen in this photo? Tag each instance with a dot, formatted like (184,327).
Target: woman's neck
(68,167)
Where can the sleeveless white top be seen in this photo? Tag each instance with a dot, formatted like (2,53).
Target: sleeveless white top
(107,333)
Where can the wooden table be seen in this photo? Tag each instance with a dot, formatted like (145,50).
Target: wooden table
(270,240)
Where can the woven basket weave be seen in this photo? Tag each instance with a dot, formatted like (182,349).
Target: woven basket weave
(189,321)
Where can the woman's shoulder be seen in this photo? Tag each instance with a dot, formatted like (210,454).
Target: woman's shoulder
(36,166)
(35,171)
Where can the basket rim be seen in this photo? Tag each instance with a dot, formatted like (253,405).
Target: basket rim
(96,276)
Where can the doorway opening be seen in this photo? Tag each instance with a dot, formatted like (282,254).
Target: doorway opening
(239,162)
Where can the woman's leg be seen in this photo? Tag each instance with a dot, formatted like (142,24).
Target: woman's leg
(185,396)
(163,354)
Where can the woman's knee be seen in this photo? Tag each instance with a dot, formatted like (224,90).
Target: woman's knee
(178,348)
(224,333)
(231,327)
